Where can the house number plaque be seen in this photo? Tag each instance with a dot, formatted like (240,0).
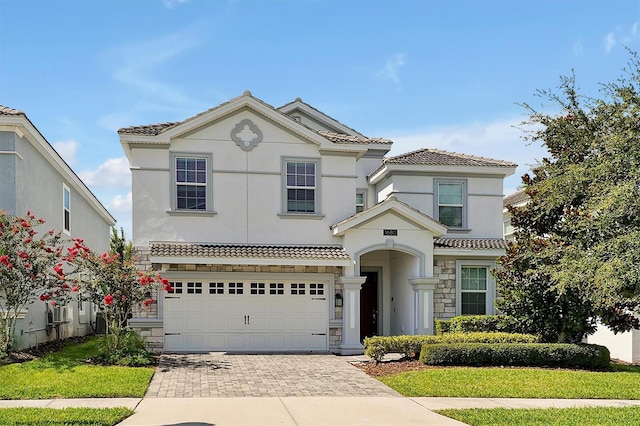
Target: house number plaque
(390,232)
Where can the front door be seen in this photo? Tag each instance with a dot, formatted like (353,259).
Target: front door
(369,305)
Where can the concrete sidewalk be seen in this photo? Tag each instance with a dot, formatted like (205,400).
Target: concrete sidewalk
(304,410)
(312,411)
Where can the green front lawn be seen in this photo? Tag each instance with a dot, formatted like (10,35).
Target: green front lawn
(518,383)
(601,416)
(63,416)
(65,374)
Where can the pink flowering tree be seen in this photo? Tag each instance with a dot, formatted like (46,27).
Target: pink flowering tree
(113,283)
(31,266)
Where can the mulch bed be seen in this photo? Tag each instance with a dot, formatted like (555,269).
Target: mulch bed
(39,351)
(400,366)
(391,367)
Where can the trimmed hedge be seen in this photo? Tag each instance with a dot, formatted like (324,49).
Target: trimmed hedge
(477,323)
(564,355)
(409,346)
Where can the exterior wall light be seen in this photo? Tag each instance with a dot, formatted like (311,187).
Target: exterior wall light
(338,300)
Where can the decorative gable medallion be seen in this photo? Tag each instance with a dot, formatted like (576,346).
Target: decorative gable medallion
(246,135)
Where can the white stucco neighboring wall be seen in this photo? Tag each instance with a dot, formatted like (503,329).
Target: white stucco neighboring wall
(623,346)
(39,176)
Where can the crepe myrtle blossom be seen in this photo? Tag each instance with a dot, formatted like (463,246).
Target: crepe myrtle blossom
(30,268)
(114,284)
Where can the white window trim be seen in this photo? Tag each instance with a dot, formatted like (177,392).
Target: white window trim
(317,214)
(209,186)
(65,229)
(364,198)
(491,283)
(465,202)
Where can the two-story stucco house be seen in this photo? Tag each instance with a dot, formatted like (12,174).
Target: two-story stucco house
(283,229)
(34,177)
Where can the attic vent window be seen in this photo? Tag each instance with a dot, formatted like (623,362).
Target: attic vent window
(246,134)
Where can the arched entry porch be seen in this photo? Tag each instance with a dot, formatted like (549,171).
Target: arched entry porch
(389,289)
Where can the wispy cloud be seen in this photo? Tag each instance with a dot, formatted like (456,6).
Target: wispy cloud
(113,173)
(138,66)
(499,139)
(609,42)
(170,4)
(392,68)
(120,206)
(67,150)
(621,35)
(577,48)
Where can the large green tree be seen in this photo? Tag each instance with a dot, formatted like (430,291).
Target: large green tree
(576,257)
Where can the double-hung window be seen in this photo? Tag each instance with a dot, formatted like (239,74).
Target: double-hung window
(475,288)
(360,203)
(451,198)
(302,186)
(191,182)
(66,209)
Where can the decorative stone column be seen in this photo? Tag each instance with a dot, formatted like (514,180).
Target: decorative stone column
(351,315)
(423,304)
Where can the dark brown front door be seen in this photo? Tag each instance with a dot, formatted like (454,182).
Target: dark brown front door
(369,305)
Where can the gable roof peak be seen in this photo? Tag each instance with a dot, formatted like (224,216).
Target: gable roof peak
(247,93)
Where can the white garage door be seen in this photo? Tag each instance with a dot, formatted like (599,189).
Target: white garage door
(246,315)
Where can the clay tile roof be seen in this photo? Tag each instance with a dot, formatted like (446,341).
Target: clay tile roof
(342,138)
(149,130)
(471,244)
(10,111)
(248,251)
(515,198)
(438,157)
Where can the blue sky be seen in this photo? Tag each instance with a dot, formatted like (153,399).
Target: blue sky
(439,74)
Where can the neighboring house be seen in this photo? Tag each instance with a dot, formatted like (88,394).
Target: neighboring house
(283,229)
(517,199)
(34,177)
(624,346)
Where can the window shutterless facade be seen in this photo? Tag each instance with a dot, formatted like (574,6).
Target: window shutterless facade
(360,201)
(301,186)
(451,200)
(191,182)
(66,209)
(475,288)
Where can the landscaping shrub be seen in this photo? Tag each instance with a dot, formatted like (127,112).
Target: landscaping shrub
(483,323)
(584,356)
(442,327)
(129,350)
(409,346)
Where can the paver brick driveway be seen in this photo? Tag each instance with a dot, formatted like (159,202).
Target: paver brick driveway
(220,374)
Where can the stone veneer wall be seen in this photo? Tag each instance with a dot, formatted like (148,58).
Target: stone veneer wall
(154,334)
(444,296)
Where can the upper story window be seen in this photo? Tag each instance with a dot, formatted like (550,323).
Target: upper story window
(360,201)
(191,188)
(451,197)
(301,186)
(66,209)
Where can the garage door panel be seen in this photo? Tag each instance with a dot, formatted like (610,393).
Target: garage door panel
(259,315)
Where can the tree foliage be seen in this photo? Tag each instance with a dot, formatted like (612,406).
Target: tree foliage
(576,256)
(114,284)
(30,266)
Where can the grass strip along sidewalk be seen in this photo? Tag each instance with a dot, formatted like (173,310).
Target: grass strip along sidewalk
(63,416)
(586,416)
